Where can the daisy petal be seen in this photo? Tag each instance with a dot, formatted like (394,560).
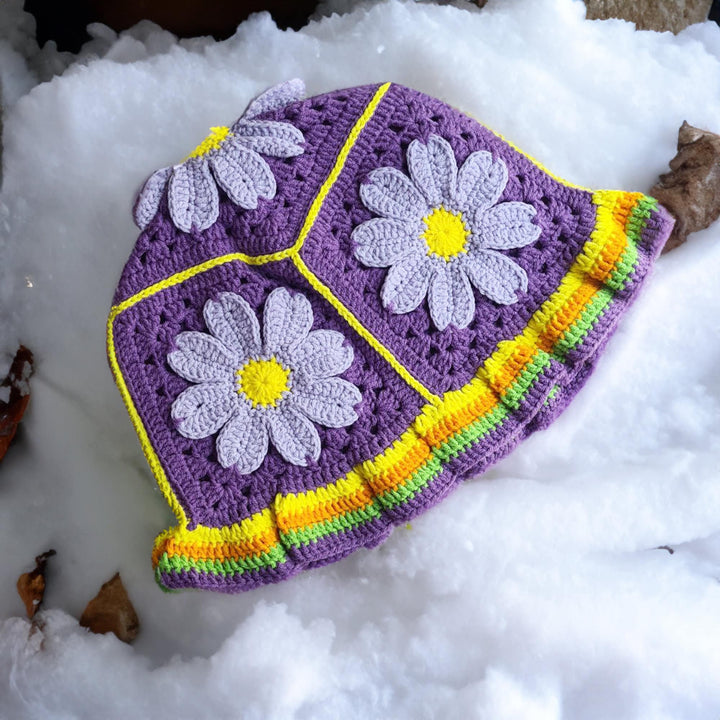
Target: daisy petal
(381,242)
(193,196)
(508,225)
(451,298)
(392,194)
(276,97)
(202,410)
(243,442)
(433,168)
(270,138)
(421,172)
(231,319)
(496,276)
(406,284)
(464,300)
(243,175)
(287,320)
(440,296)
(200,357)
(481,181)
(444,165)
(329,402)
(322,354)
(294,436)
(148,199)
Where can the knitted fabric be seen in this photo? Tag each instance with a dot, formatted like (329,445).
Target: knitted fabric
(318,337)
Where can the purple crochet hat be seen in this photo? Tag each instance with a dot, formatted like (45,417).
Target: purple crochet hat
(339,308)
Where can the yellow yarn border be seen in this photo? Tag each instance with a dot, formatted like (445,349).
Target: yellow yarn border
(361,330)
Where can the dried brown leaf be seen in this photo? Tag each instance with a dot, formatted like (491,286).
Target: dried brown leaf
(12,410)
(691,190)
(111,611)
(31,585)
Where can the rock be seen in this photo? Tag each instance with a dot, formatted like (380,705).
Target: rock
(673,15)
(691,190)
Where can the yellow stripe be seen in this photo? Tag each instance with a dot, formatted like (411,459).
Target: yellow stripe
(245,531)
(361,330)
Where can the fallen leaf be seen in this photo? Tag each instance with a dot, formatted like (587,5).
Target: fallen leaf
(111,611)
(12,409)
(31,585)
(691,190)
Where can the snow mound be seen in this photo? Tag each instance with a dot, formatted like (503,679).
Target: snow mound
(537,591)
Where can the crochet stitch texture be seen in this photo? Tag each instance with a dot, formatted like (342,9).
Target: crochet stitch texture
(327,361)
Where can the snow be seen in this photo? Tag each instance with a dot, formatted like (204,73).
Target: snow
(537,591)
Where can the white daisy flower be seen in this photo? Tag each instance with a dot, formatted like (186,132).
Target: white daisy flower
(259,390)
(229,157)
(440,232)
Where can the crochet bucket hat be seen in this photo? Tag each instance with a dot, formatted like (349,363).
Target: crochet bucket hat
(339,308)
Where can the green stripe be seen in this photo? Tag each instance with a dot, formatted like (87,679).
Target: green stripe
(463,439)
(623,268)
(441,455)
(340,523)
(526,379)
(639,216)
(576,333)
(594,310)
(230,566)
(414,484)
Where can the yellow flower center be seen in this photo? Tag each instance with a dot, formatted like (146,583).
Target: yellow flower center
(263,381)
(213,141)
(445,233)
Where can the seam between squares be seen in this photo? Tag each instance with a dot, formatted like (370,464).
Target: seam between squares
(361,330)
(310,219)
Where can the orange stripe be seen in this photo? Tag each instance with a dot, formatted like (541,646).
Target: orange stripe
(461,418)
(624,206)
(325,511)
(608,257)
(563,319)
(617,241)
(402,470)
(503,378)
(261,543)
